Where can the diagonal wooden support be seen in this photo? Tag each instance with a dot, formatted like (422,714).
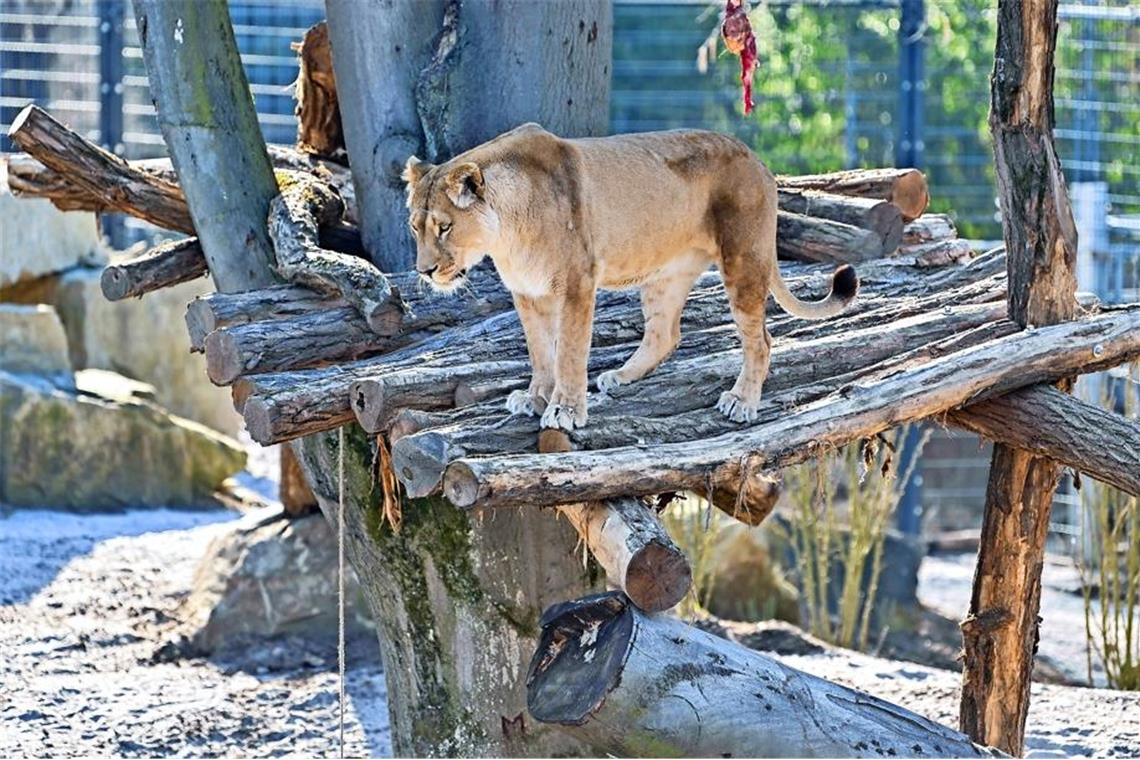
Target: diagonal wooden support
(1000,632)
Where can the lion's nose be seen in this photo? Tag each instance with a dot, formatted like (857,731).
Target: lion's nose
(427,272)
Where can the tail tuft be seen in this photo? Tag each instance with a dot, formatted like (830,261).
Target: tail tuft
(844,283)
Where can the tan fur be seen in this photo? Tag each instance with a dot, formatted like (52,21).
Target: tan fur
(560,218)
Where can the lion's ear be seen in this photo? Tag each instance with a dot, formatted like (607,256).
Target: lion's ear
(465,185)
(414,170)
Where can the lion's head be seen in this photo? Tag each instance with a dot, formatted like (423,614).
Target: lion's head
(452,222)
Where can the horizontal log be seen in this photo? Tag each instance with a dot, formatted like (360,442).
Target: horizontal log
(675,404)
(938,253)
(879,216)
(100,173)
(639,557)
(906,188)
(1048,423)
(164,265)
(809,238)
(1025,358)
(291,404)
(628,684)
(928,228)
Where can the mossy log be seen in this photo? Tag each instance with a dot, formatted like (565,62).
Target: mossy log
(164,265)
(992,369)
(629,684)
(906,188)
(295,216)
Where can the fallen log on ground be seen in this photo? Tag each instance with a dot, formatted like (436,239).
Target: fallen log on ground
(633,685)
(906,188)
(164,265)
(635,551)
(997,367)
(1046,422)
(304,205)
(100,173)
(882,217)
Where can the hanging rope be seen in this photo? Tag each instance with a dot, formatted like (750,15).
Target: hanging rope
(340,647)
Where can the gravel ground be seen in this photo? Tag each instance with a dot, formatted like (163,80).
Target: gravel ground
(86,605)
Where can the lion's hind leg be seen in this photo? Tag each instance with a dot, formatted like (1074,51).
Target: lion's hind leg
(662,301)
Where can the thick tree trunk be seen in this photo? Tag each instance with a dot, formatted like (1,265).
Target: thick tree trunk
(1000,633)
(633,685)
(457,598)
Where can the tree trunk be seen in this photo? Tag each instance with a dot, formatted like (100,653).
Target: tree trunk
(633,685)
(1000,632)
(457,598)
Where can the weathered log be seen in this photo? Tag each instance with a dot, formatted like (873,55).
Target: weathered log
(100,173)
(929,228)
(938,253)
(635,551)
(294,218)
(629,684)
(906,188)
(294,493)
(810,238)
(1001,630)
(318,114)
(1024,358)
(164,265)
(646,416)
(874,214)
(274,330)
(1046,422)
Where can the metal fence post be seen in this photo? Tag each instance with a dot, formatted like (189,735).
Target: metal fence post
(111,14)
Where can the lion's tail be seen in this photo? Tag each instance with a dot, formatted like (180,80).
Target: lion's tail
(844,286)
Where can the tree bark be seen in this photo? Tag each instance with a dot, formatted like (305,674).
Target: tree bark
(295,495)
(1046,422)
(457,599)
(906,188)
(810,238)
(929,228)
(781,438)
(938,253)
(1000,632)
(319,127)
(632,685)
(166,264)
(874,214)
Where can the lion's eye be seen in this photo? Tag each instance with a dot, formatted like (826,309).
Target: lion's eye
(444,229)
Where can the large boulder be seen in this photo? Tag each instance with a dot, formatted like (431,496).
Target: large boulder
(103,444)
(144,338)
(37,239)
(270,575)
(32,341)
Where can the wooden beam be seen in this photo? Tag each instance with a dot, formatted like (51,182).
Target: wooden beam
(1048,423)
(997,367)
(1000,632)
(628,684)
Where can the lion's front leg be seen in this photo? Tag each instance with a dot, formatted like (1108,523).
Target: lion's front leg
(567,407)
(539,325)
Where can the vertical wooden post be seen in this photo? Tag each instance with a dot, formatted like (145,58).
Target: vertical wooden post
(1000,632)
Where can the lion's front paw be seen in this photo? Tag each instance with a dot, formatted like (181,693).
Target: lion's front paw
(735,408)
(521,402)
(564,417)
(609,380)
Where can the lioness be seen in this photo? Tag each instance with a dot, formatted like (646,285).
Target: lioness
(560,218)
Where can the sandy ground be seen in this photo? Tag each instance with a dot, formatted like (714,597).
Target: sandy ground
(86,606)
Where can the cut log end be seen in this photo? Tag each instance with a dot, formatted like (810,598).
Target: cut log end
(386,318)
(200,322)
(367,398)
(551,441)
(911,194)
(460,484)
(579,658)
(258,420)
(419,466)
(223,359)
(115,283)
(658,577)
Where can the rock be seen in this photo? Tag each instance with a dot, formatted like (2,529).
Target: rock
(144,338)
(32,341)
(38,239)
(270,575)
(747,584)
(72,449)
